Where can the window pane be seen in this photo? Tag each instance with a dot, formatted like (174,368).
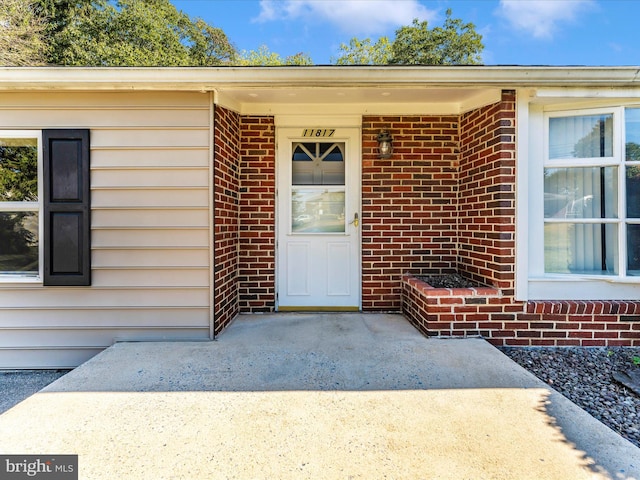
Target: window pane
(633,250)
(589,192)
(588,136)
(633,191)
(581,248)
(632,133)
(18,169)
(331,152)
(320,163)
(19,243)
(304,152)
(317,210)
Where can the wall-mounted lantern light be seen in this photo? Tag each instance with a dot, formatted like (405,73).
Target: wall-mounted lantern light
(385,146)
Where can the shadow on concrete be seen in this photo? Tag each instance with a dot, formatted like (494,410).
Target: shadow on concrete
(319,396)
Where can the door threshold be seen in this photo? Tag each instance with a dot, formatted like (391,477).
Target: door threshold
(318,309)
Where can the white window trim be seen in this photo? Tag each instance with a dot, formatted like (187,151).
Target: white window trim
(28,206)
(532,283)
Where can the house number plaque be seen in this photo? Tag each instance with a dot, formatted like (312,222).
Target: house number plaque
(318,132)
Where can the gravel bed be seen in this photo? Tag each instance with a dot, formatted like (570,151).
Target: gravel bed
(15,386)
(585,376)
(451,280)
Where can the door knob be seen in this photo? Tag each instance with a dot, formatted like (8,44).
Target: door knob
(355,220)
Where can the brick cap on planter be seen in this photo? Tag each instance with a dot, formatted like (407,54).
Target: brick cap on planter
(430,291)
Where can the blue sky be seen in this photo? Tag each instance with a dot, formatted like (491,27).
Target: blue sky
(515,32)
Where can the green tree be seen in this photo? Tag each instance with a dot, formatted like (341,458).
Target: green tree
(18,172)
(363,52)
(130,33)
(266,58)
(21,34)
(454,43)
(209,45)
(633,151)
(18,183)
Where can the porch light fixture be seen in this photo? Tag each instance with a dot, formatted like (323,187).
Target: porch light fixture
(385,147)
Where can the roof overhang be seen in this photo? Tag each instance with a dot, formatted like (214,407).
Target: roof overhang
(354,89)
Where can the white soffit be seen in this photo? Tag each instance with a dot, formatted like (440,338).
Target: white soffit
(357,100)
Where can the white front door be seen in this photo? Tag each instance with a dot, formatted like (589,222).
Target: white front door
(318,218)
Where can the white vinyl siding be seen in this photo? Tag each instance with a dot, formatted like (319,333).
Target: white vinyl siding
(150,228)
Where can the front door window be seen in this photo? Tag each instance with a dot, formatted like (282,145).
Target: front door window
(318,187)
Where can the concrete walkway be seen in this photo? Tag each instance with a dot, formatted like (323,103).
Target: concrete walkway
(308,396)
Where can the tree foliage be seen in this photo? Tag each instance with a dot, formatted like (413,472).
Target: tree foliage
(632,152)
(130,33)
(266,58)
(18,172)
(454,43)
(21,34)
(363,52)
(18,183)
(155,33)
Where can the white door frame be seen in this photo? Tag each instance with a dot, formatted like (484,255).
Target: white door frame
(292,128)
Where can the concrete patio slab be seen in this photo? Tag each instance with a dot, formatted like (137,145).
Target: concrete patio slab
(331,396)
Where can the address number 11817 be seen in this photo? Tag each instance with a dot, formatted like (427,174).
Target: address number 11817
(318,132)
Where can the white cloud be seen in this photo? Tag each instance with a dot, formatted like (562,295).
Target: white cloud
(541,18)
(616,47)
(352,16)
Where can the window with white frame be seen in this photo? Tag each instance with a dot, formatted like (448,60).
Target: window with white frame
(19,204)
(591,184)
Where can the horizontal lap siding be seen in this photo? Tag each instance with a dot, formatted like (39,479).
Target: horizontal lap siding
(150,228)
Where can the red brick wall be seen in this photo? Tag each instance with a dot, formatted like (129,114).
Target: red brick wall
(225,188)
(408,204)
(450,311)
(486,252)
(485,312)
(444,201)
(486,214)
(256,273)
(584,323)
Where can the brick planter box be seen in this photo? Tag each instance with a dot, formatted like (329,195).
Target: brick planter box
(439,312)
(486,312)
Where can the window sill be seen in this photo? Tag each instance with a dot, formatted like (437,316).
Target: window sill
(17,279)
(583,287)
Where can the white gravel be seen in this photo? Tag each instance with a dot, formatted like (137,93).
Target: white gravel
(585,376)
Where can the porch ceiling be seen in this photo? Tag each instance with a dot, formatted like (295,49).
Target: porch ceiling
(383,99)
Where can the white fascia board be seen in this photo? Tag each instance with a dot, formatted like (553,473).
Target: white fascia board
(205,79)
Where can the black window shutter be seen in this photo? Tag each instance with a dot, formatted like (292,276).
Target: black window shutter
(67,207)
